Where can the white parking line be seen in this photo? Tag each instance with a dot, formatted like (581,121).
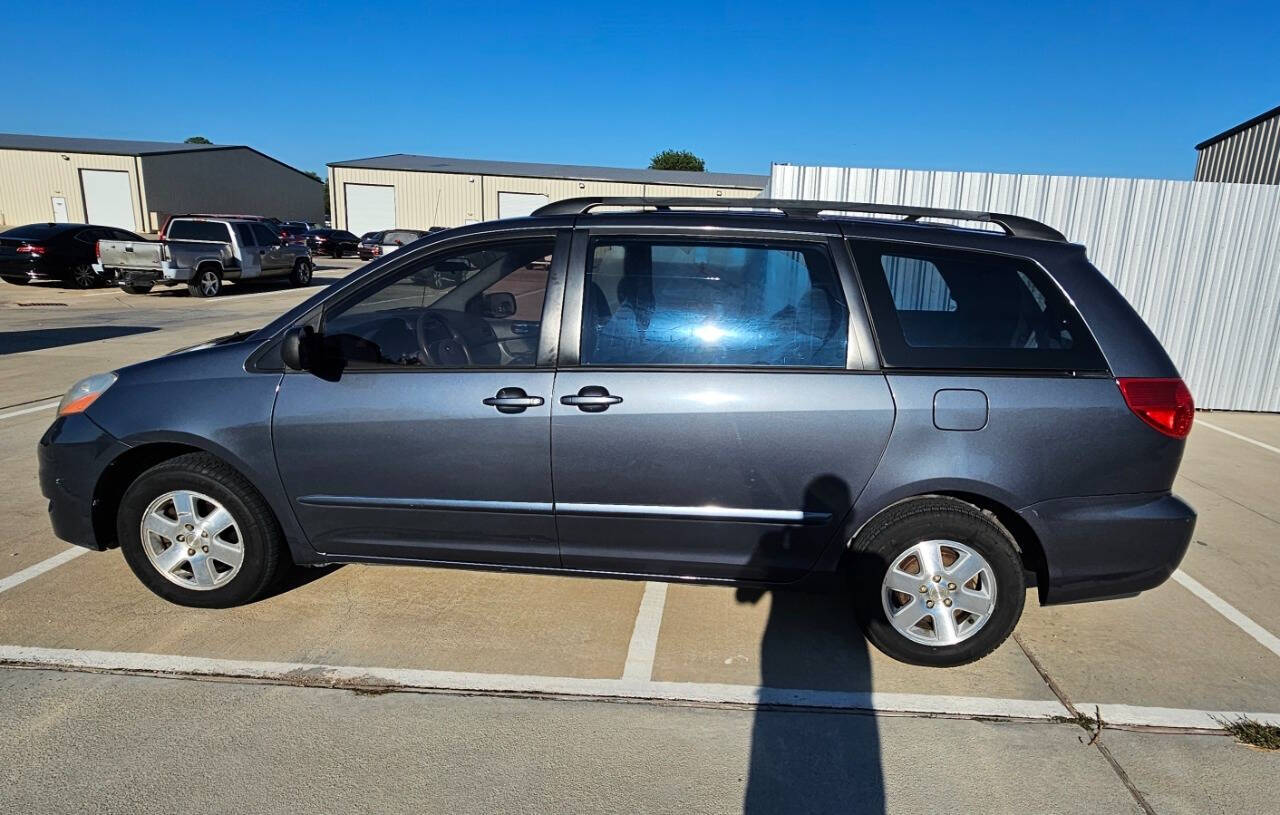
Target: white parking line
(408,679)
(1264,637)
(644,636)
(40,568)
(1139,716)
(24,411)
(1236,435)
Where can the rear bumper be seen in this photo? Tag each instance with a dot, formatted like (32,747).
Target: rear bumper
(1109,545)
(31,269)
(72,454)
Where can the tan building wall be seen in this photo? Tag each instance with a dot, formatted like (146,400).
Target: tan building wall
(425,199)
(30,179)
(239,181)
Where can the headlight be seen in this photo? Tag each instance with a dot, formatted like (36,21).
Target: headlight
(84,392)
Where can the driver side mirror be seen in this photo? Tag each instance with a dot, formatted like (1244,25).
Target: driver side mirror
(497,305)
(297,350)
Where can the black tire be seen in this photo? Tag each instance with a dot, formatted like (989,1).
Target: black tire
(887,539)
(337,253)
(265,556)
(301,274)
(206,283)
(84,277)
(135,288)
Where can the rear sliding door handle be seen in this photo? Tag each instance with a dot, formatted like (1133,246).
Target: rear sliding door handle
(591,399)
(513,400)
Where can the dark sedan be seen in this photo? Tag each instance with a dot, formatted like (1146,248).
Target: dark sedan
(62,252)
(333,242)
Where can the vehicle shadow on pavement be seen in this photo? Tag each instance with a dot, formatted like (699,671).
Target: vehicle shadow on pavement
(17,342)
(297,577)
(812,761)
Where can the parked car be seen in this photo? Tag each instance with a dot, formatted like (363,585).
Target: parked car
(332,242)
(932,417)
(377,244)
(62,252)
(202,253)
(294,232)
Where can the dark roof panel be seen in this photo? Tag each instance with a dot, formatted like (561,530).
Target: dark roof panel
(109,147)
(574,172)
(1226,134)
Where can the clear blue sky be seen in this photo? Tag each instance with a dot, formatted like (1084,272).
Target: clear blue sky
(1105,89)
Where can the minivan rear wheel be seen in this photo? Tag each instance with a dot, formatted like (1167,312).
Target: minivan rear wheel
(197,533)
(938,582)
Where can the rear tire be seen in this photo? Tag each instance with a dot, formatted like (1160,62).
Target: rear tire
(214,492)
(84,277)
(302,271)
(206,283)
(934,542)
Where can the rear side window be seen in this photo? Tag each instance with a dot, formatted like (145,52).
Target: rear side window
(945,308)
(198,231)
(265,235)
(654,302)
(245,234)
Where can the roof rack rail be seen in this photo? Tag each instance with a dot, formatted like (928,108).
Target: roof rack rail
(1013,225)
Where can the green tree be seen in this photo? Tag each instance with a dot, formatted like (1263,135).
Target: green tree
(325,182)
(196,140)
(677,160)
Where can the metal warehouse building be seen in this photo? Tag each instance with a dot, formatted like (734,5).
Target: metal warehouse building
(137,184)
(1248,153)
(418,192)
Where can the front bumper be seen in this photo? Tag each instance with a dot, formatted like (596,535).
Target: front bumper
(1107,546)
(72,454)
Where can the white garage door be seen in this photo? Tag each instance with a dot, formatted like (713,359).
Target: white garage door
(108,200)
(370,207)
(519,204)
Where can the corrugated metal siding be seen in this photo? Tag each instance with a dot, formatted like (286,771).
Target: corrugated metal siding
(426,199)
(1199,261)
(29,179)
(234,181)
(1251,156)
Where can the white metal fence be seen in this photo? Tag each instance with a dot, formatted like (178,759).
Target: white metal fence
(1200,261)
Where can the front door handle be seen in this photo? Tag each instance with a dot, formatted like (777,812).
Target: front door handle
(591,399)
(513,400)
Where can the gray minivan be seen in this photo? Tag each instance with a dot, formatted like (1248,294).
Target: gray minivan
(937,416)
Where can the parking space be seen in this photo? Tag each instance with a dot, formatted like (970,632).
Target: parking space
(1171,648)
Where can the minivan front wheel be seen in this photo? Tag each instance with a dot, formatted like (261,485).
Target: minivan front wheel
(938,582)
(197,533)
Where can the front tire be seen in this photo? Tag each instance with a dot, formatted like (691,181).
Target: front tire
(301,274)
(197,533)
(937,582)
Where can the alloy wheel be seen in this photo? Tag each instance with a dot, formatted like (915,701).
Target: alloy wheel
(938,592)
(192,540)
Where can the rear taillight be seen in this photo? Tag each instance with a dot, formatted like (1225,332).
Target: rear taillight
(97,249)
(28,249)
(1165,404)
(375,250)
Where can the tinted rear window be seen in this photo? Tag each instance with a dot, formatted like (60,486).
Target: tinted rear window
(198,231)
(946,308)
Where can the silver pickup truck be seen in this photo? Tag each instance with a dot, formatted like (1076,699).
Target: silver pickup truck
(202,253)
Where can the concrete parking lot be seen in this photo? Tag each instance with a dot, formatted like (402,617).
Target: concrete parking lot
(389,688)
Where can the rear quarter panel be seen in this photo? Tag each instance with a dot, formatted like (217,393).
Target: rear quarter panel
(1045,437)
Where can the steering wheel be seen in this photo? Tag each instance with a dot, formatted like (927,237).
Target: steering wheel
(450,353)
